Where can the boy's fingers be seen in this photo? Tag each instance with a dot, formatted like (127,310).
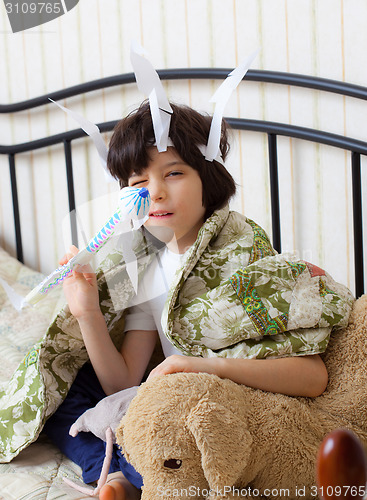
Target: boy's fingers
(79,275)
(63,260)
(73,250)
(91,278)
(69,255)
(84,268)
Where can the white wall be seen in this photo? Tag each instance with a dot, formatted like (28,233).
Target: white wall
(325,38)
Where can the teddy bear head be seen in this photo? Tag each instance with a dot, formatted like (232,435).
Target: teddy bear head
(183,443)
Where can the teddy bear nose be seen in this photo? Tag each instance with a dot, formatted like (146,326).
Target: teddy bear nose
(173,463)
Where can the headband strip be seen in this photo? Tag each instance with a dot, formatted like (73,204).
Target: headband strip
(94,133)
(221,97)
(151,86)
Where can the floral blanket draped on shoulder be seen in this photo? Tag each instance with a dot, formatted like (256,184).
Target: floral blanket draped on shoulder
(233,296)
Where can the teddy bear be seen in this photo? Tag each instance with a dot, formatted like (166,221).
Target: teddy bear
(195,435)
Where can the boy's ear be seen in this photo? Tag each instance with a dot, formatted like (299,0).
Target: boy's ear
(223,441)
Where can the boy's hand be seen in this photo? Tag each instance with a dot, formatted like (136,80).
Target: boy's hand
(188,364)
(80,289)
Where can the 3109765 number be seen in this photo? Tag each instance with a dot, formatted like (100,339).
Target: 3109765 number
(33,8)
(339,491)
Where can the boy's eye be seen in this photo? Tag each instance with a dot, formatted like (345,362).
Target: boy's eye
(175,172)
(137,182)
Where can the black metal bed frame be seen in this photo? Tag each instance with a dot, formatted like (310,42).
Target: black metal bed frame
(272,129)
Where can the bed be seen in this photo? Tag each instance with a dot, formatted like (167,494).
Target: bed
(37,473)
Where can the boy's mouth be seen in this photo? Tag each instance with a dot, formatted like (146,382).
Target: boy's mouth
(160,214)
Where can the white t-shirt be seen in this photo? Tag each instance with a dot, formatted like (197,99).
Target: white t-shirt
(147,306)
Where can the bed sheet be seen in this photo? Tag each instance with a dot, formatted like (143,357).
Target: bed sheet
(37,472)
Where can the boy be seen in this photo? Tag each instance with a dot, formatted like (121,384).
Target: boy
(188,195)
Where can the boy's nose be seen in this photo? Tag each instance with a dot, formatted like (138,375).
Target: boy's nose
(156,191)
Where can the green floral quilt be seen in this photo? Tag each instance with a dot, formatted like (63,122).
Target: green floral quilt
(232,297)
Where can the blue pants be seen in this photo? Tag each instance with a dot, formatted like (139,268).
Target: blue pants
(86,449)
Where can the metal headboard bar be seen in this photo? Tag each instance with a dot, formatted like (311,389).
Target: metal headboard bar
(357,222)
(294,131)
(307,134)
(71,192)
(277,77)
(14,192)
(272,129)
(274,191)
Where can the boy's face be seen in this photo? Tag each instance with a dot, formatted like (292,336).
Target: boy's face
(176,193)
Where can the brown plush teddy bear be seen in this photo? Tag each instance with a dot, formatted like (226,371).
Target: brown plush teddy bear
(198,436)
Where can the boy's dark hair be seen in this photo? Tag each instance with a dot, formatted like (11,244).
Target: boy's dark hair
(133,135)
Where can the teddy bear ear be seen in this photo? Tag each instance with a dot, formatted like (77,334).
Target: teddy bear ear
(223,441)
(120,439)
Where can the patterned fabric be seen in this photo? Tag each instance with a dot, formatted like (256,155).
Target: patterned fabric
(232,297)
(244,300)
(262,246)
(254,306)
